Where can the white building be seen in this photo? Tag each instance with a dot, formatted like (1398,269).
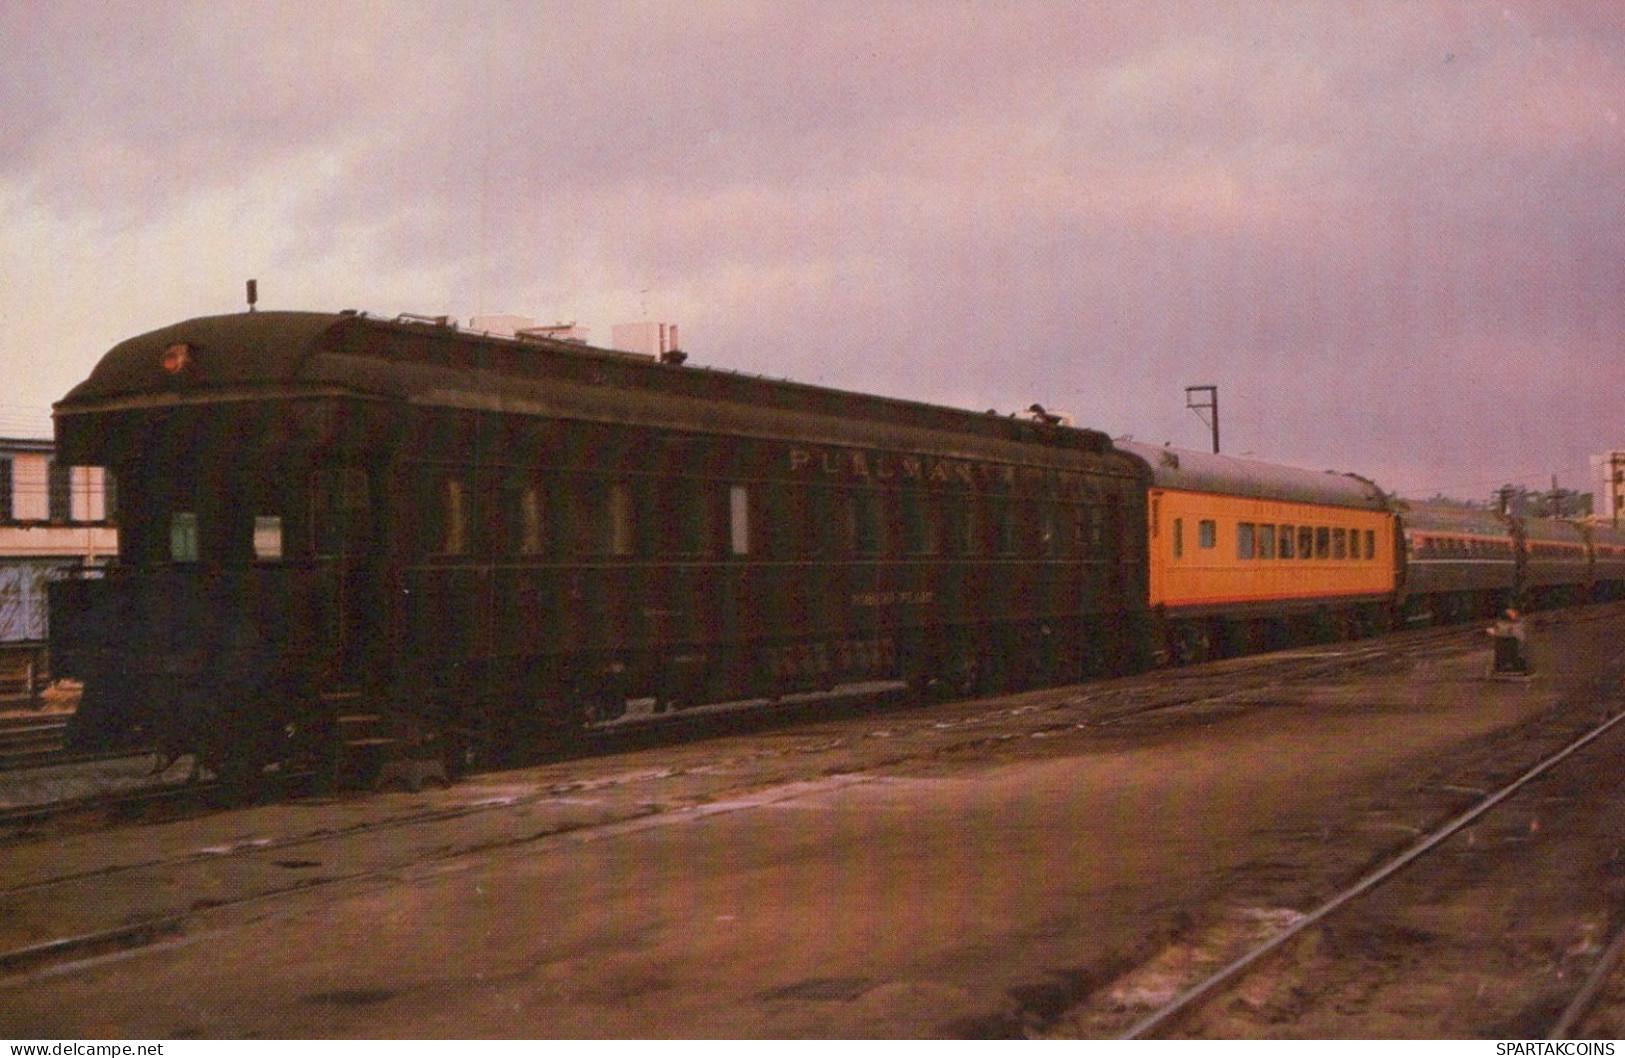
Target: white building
(52,518)
(650,339)
(1608,493)
(506,325)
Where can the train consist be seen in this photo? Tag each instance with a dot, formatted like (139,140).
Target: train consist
(1245,555)
(345,539)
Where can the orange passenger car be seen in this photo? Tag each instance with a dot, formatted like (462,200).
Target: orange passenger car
(1249,555)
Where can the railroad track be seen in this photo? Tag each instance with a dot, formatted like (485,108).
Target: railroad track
(1603,979)
(282,861)
(287,863)
(909,734)
(118,805)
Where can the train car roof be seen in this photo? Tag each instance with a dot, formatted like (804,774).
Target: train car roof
(1192,471)
(1430,517)
(253,354)
(1552,529)
(1606,533)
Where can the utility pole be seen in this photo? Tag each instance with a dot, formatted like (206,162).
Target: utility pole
(1211,405)
(1616,485)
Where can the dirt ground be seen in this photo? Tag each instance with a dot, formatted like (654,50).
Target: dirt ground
(1040,880)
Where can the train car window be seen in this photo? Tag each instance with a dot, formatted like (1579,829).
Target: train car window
(867,528)
(811,524)
(1095,543)
(1067,537)
(829,521)
(1323,542)
(531,522)
(958,526)
(937,523)
(1246,540)
(522,511)
(582,502)
(618,524)
(1179,538)
(1370,543)
(340,511)
(1207,534)
(602,518)
(914,510)
(739,519)
(183,537)
(267,538)
(1340,543)
(453,517)
(777,521)
(1045,520)
(684,517)
(1002,517)
(1266,541)
(1306,542)
(1285,550)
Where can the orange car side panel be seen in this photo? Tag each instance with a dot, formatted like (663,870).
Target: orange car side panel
(1218,575)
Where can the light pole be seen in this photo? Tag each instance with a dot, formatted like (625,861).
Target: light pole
(1212,405)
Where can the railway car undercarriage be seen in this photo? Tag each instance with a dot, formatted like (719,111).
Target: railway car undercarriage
(270,720)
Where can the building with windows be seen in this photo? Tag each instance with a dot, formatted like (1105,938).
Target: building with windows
(52,518)
(1608,475)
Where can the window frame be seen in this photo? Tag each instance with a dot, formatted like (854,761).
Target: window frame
(1246,541)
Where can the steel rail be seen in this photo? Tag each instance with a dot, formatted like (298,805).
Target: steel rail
(1581,1004)
(1179,1004)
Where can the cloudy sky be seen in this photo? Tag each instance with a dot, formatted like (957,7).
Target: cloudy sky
(1391,233)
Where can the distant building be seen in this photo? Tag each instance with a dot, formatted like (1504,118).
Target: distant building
(1608,477)
(52,518)
(650,339)
(506,325)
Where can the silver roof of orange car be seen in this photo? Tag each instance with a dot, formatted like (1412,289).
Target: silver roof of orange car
(1192,471)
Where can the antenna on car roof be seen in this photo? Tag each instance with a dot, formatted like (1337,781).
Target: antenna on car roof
(253,293)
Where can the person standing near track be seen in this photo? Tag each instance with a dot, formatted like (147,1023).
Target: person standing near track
(1511,644)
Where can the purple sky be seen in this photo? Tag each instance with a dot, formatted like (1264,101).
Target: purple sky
(1393,234)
